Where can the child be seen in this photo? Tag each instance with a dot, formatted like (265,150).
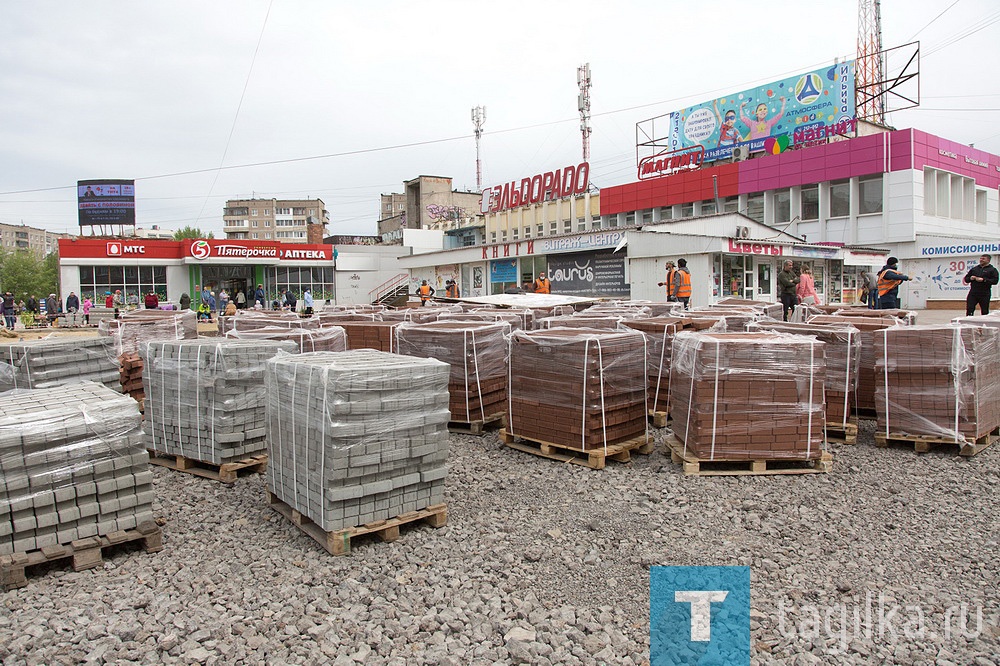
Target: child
(87,304)
(760,126)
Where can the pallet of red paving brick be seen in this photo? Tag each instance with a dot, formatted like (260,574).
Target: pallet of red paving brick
(594,458)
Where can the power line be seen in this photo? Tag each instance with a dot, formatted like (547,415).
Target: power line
(932,20)
(239,106)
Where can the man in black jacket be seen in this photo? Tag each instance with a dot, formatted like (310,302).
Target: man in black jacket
(980,280)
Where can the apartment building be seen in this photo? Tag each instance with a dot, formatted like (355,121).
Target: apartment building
(284,220)
(21,237)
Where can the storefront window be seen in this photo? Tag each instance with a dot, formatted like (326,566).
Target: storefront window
(810,203)
(840,198)
(870,194)
(97,281)
(708,207)
(782,206)
(318,279)
(732,276)
(755,207)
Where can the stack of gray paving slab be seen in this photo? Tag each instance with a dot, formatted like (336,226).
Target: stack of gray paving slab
(205,398)
(357,436)
(72,465)
(134,329)
(329,338)
(55,361)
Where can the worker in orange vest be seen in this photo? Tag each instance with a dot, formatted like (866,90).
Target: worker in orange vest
(669,284)
(542,285)
(451,289)
(426,292)
(682,283)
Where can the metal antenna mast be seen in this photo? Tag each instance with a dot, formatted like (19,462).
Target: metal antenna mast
(870,74)
(478,118)
(583,104)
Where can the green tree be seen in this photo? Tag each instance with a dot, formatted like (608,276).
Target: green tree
(191,232)
(23,273)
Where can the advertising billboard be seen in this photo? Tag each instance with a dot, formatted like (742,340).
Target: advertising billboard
(106,202)
(768,117)
(589,274)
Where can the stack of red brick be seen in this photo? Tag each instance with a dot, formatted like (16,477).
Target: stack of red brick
(868,327)
(843,354)
(577,388)
(380,335)
(942,381)
(131,375)
(660,333)
(477,353)
(748,396)
(515,319)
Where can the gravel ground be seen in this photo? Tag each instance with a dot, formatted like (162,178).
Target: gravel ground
(545,563)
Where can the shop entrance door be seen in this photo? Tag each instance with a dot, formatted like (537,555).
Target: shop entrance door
(764,282)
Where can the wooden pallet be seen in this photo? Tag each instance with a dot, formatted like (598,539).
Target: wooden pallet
(226,472)
(476,427)
(659,419)
(863,413)
(764,466)
(592,458)
(842,433)
(86,553)
(338,542)
(924,443)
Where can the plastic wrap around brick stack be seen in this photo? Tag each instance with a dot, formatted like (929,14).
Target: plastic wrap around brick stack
(134,329)
(248,322)
(649,308)
(205,398)
(379,335)
(867,326)
(56,361)
(733,319)
(941,381)
(609,322)
(843,357)
(527,316)
(477,354)
(515,320)
(326,339)
(904,317)
(337,317)
(419,315)
(660,333)
(772,310)
(577,388)
(358,436)
(991,320)
(72,465)
(748,396)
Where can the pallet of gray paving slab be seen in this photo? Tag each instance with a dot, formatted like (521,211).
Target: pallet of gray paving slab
(593,458)
(226,472)
(338,542)
(85,553)
(477,427)
(924,443)
(756,467)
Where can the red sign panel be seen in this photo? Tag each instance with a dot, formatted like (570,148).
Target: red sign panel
(755,248)
(541,187)
(125,248)
(200,250)
(670,162)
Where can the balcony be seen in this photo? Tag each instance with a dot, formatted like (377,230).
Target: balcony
(235,224)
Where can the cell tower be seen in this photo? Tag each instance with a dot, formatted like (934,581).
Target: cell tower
(478,118)
(870,74)
(583,103)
